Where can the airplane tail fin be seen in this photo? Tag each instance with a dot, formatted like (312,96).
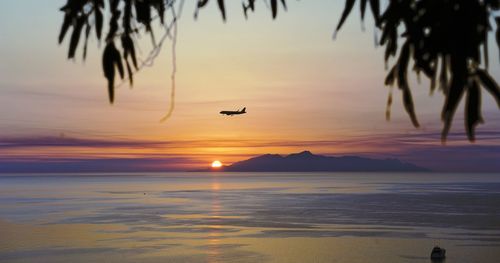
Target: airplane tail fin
(244,110)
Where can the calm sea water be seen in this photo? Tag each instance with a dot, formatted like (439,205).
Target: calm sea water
(245,217)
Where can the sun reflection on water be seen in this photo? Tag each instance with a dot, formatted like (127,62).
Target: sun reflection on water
(214,234)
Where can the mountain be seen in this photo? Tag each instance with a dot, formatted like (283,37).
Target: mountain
(308,162)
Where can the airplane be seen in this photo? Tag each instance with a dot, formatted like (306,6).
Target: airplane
(231,113)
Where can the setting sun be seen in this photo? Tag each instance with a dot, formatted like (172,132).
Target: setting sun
(216,164)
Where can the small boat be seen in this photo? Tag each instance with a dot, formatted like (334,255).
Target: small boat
(438,253)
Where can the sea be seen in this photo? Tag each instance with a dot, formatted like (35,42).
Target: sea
(249,217)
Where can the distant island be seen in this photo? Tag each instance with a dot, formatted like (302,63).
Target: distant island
(308,162)
(297,162)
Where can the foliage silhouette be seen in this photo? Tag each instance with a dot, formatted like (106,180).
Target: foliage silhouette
(443,39)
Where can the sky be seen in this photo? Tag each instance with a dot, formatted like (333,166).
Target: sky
(302,90)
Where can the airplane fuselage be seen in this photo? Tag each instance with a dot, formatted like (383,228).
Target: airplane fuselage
(231,113)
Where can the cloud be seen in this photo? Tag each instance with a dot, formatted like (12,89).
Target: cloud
(61,165)
(62,141)
(66,154)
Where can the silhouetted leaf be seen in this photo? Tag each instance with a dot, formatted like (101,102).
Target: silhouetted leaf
(65,26)
(72,5)
(75,36)
(443,77)
(98,22)
(130,74)
(347,9)
(433,82)
(202,3)
(98,4)
(127,18)
(388,107)
(199,4)
(391,76)
(113,21)
(497,19)
(409,107)
(392,45)
(485,52)
(113,4)
(363,9)
(490,85)
(274,8)
(143,13)
(118,62)
(222,9)
(404,58)
(129,49)
(87,33)
(454,96)
(473,109)
(375,5)
(108,67)
(250,5)
(283,2)
(159,5)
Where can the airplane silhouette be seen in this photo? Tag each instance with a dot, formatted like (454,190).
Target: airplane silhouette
(231,113)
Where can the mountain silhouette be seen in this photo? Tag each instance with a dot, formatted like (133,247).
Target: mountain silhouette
(308,162)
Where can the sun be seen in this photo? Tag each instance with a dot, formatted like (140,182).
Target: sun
(216,164)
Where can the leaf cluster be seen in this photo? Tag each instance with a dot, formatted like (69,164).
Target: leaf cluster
(127,19)
(248,5)
(447,41)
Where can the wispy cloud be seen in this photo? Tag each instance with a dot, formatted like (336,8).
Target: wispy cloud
(63,153)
